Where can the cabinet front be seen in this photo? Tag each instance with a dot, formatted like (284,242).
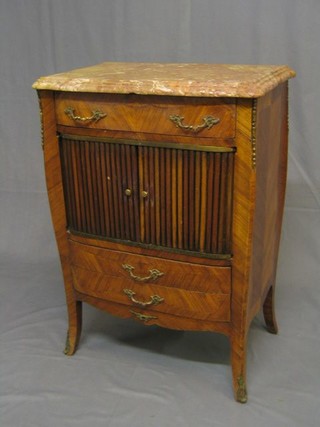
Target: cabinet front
(153,194)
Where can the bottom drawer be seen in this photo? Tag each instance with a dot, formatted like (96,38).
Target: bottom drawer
(152,298)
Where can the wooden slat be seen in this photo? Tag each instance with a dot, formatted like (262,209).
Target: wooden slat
(105,192)
(151,196)
(141,185)
(185,199)
(113,182)
(210,194)
(157,195)
(124,184)
(191,245)
(197,197)
(168,198)
(97,156)
(174,191)
(203,201)
(222,202)
(135,186)
(163,196)
(127,164)
(145,188)
(66,179)
(180,198)
(228,214)
(113,219)
(215,209)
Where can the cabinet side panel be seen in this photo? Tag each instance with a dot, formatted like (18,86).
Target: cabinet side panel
(243,214)
(271,170)
(57,208)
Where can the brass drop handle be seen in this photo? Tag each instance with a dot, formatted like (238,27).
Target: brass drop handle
(128,192)
(208,122)
(154,274)
(143,317)
(154,299)
(96,115)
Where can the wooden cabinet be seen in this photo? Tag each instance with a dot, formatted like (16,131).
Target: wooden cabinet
(166,185)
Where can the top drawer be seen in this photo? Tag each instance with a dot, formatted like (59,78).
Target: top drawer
(201,117)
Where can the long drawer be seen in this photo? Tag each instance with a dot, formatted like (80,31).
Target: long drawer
(139,269)
(207,118)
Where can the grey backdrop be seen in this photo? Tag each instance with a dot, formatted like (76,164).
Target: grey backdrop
(123,373)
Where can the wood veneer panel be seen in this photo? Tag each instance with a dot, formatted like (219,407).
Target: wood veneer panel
(179,302)
(181,275)
(271,168)
(163,319)
(147,115)
(56,200)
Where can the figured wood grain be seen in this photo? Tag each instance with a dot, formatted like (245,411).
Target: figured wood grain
(179,302)
(243,213)
(148,115)
(56,200)
(271,154)
(165,320)
(175,274)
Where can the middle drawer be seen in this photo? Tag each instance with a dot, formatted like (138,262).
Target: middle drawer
(140,269)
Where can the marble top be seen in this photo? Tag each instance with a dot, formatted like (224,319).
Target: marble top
(211,80)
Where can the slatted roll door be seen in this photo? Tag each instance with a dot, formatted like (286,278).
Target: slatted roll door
(164,196)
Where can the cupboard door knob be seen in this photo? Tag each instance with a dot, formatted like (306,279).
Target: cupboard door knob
(154,299)
(144,194)
(128,192)
(208,122)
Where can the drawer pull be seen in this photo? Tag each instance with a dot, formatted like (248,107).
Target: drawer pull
(143,317)
(154,299)
(208,122)
(96,115)
(128,192)
(154,274)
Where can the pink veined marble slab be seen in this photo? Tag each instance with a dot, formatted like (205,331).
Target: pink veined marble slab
(211,80)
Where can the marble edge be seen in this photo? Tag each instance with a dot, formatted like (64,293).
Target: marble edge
(237,88)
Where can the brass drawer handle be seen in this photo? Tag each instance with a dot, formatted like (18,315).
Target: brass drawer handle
(96,115)
(154,299)
(143,317)
(154,274)
(208,122)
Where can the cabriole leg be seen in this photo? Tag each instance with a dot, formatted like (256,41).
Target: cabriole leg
(269,312)
(74,331)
